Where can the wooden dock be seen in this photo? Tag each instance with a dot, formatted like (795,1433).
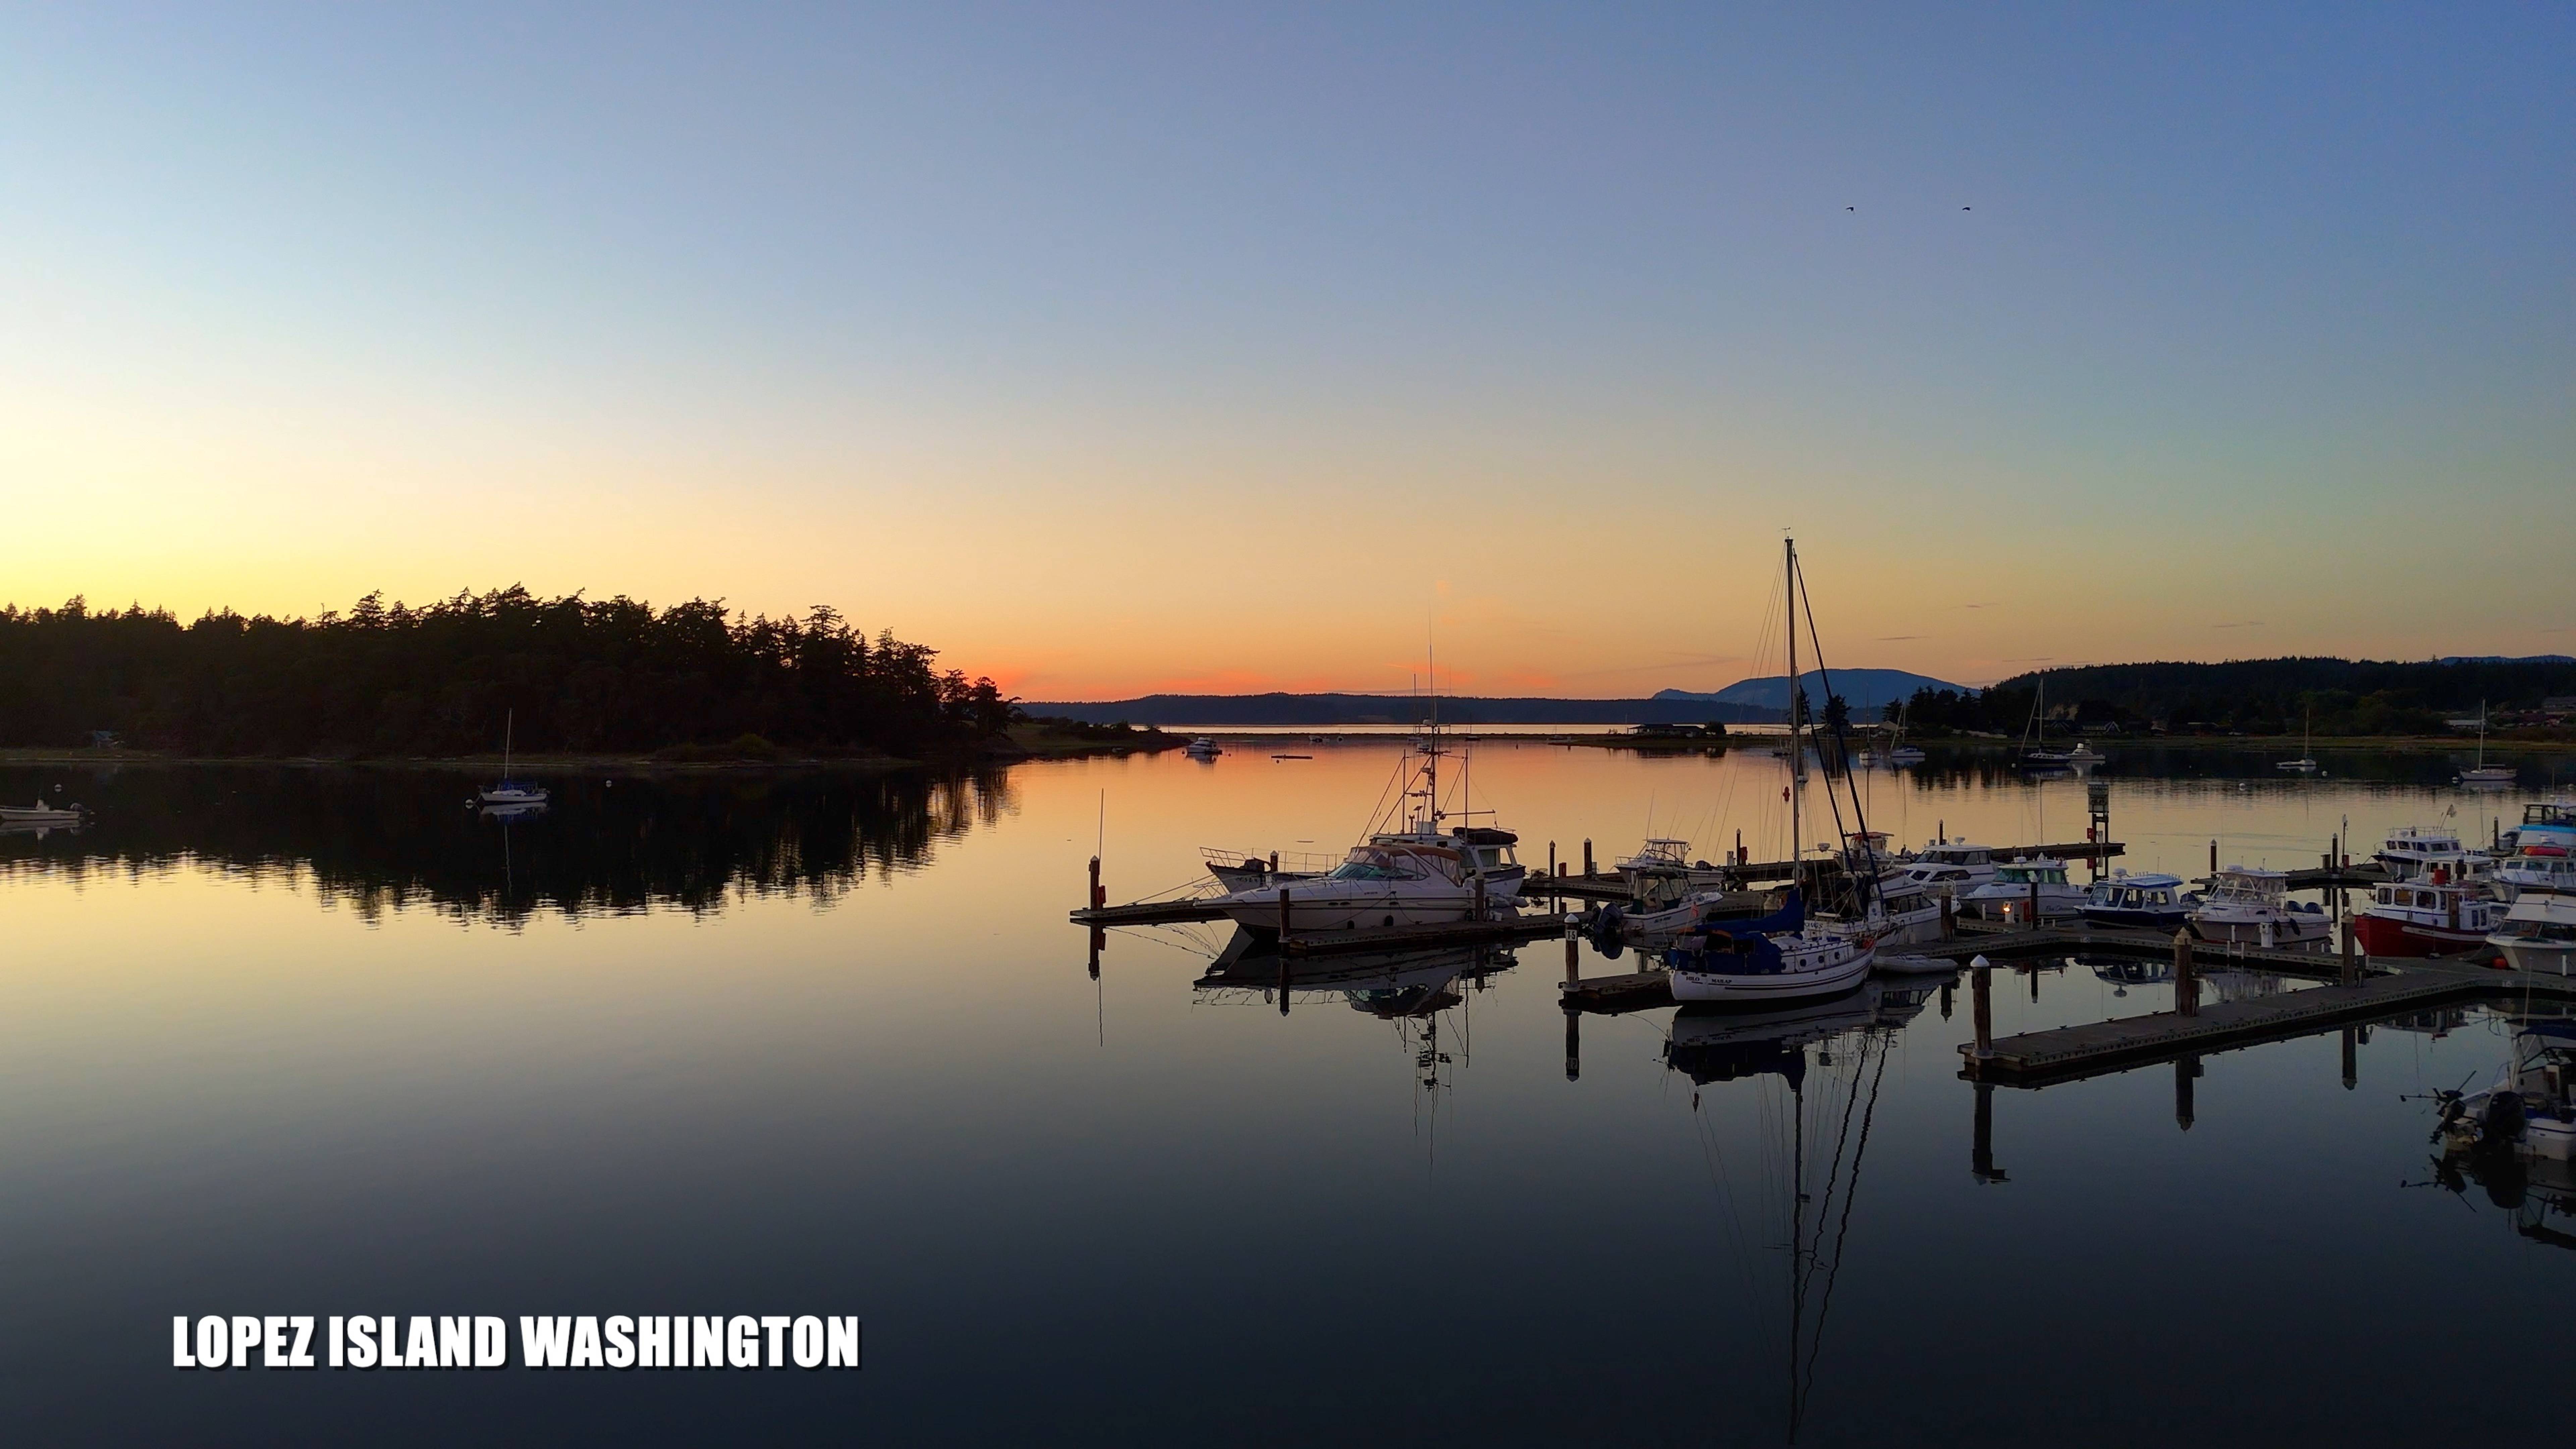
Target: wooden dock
(2071,1053)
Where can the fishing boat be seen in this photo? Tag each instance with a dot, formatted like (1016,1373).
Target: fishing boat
(2147,901)
(2538,933)
(42,814)
(1662,872)
(1777,958)
(2008,895)
(2530,1108)
(2414,850)
(1376,885)
(2431,915)
(511,793)
(2251,906)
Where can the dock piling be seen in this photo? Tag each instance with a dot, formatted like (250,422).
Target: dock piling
(2034,900)
(1587,859)
(1573,951)
(1949,918)
(2186,986)
(2351,974)
(1283,928)
(1099,896)
(1981,1004)
(1573,1045)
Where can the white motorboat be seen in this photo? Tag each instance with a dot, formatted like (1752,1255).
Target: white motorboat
(1662,872)
(2518,875)
(1892,917)
(1978,861)
(511,793)
(2548,828)
(1202,748)
(2530,1108)
(2538,933)
(2415,850)
(43,814)
(1931,877)
(2148,901)
(2251,906)
(1378,884)
(2008,895)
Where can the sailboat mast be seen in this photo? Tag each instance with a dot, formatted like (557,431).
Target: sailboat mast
(1797,752)
(509,727)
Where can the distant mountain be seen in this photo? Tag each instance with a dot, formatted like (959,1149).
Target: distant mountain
(1322,711)
(1865,690)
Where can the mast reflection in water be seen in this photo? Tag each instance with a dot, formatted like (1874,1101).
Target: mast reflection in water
(382,839)
(1812,1142)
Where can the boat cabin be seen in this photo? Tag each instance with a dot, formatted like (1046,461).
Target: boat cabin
(1946,852)
(2038,872)
(2249,884)
(2137,893)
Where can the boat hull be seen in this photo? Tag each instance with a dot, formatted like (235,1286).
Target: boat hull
(1311,910)
(2396,936)
(2555,958)
(1831,978)
(2296,928)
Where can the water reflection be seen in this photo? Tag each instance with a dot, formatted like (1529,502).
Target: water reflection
(380,840)
(1412,990)
(1804,1179)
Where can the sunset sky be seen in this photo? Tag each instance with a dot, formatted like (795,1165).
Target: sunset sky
(1119,348)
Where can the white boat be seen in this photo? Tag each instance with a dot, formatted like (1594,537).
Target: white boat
(2413,850)
(2148,902)
(1978,861)
(2538,933)
(1769,958)
(1933,878)
(2530,1108)
(1202,748)
(2008,895)
(1376,885)
(2483,773)
(41,813)
(511,793)
(1776,958)
(1892,918)
(1898,753)
(1662,872)
(2306,763)
(2035,753)
(2518,875)
(2251,906)
(1241,870)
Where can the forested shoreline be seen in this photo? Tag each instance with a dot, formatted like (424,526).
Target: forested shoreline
(2335,697)
(577,676)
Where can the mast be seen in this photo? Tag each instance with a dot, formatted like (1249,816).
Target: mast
(1797,751)
(509,726)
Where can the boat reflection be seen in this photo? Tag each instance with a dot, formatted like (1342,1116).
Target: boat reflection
(1832,1057)
(1413,990)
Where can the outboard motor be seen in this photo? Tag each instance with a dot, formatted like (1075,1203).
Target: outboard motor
(2504,1120)
(1606,937)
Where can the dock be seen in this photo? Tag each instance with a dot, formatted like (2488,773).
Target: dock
(2394,987)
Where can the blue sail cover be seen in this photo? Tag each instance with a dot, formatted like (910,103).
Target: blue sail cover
(1742,948)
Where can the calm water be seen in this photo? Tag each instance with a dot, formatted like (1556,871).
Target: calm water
(293,1041)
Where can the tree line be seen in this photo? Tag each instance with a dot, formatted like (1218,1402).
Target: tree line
(577,675)
(2344,697)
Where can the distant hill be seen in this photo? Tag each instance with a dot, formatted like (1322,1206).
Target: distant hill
(1865,690)
(1325,710)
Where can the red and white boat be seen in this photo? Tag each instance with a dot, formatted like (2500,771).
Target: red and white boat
(2436,915)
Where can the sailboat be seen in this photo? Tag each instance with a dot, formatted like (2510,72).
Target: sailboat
(511,794)
(2483,773)
(2306,763)
(1898,752)
(2034,735)
(1776,957)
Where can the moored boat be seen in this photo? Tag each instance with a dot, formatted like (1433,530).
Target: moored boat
(511,794)
(41,813)
(2538,933)
(2251,906)
(2147,901)
(2434,915)
(2008,895)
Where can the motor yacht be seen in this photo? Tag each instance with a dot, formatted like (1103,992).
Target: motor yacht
(2250,905)
(1375,885)
(1202,748)
(2415,850)
(41,813)
(2008,895)
(2147,901)
(2538,933)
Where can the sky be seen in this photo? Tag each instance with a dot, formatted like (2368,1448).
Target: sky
(1112,348)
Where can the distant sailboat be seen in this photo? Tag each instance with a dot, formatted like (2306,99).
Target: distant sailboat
(2483,773)
(509,793)
(2306,763)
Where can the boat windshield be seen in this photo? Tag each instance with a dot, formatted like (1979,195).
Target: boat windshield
(1368,863)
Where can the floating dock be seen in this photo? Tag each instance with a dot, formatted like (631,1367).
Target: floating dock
(2071,1053)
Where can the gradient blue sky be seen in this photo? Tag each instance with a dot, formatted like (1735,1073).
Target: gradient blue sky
(1116,348)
